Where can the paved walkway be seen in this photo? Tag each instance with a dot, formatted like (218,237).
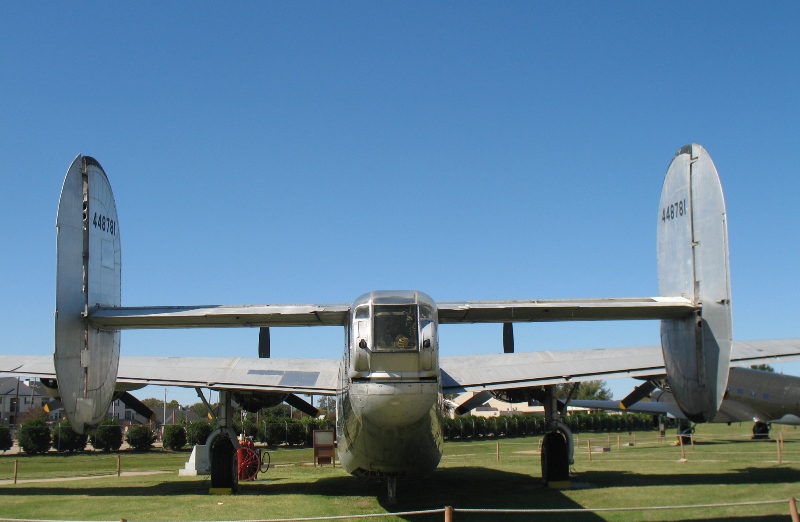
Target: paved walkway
(66,479)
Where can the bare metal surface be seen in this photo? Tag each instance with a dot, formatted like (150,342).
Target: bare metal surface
(564,310)
(693,263)
(210,316)
(87,274)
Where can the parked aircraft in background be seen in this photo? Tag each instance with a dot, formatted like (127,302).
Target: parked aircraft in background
(390,380)
(751,396)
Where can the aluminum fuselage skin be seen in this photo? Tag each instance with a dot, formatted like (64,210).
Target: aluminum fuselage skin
(755,396)
(389,407)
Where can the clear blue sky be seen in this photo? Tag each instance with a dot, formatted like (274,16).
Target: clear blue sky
(308,152)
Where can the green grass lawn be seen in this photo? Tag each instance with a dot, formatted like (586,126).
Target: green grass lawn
(724,466)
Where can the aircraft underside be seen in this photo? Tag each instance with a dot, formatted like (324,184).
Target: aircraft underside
(370,444)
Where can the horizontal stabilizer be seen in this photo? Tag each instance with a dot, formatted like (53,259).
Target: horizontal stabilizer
(547,310)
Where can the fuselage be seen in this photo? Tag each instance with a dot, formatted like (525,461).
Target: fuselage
(389,407)
(756,396)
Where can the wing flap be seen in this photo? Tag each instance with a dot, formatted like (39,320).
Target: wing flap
(564,310)
(120,318)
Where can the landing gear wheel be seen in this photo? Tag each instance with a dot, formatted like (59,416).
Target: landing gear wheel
(761,430)
(391,490)
(224,474)
(555,458)
(685,432)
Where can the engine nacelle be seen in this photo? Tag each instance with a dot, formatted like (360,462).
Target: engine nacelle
(693,263)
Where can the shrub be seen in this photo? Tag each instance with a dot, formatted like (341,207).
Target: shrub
(174,437)
(107,436)
(34,437)
(198,431)
(140,438)
(273,432)
(65,439)
(6,442)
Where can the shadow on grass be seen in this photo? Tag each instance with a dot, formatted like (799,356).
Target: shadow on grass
(763,518)
(744,476)
(462,488)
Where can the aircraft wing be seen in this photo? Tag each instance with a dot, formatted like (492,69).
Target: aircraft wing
(522,370)
(459,373)
(731,410)
(308,376)
(649,407)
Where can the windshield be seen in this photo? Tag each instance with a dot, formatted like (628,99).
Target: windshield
(395,327)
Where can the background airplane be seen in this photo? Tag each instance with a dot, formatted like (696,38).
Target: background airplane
(752,395)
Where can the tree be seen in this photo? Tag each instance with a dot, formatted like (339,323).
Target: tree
(65,439)
(6,442)
(199,409)
(327,406)
(763,368)
(140,438)
(34,437)
(153,403)
(588,390)
(33,413)
(198,431)
(107,436)
(174,437)
(279,411)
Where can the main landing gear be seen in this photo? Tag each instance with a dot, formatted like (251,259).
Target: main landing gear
(391,490)
(557,446)
(761,430)
(223,445)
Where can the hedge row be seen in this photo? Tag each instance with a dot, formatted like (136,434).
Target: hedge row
(35,436)
(469,427)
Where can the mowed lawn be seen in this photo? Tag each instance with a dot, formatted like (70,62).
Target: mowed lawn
(724,466)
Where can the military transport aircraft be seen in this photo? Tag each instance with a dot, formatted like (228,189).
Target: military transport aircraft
(752,395)
(390,380)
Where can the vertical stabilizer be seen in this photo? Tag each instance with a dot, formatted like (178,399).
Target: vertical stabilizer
(693,263)
(87,275)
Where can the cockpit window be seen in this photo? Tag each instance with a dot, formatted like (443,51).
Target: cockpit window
(395,327)
(362,312)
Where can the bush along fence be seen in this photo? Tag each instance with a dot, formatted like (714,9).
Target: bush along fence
(294,432)
(477,428)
